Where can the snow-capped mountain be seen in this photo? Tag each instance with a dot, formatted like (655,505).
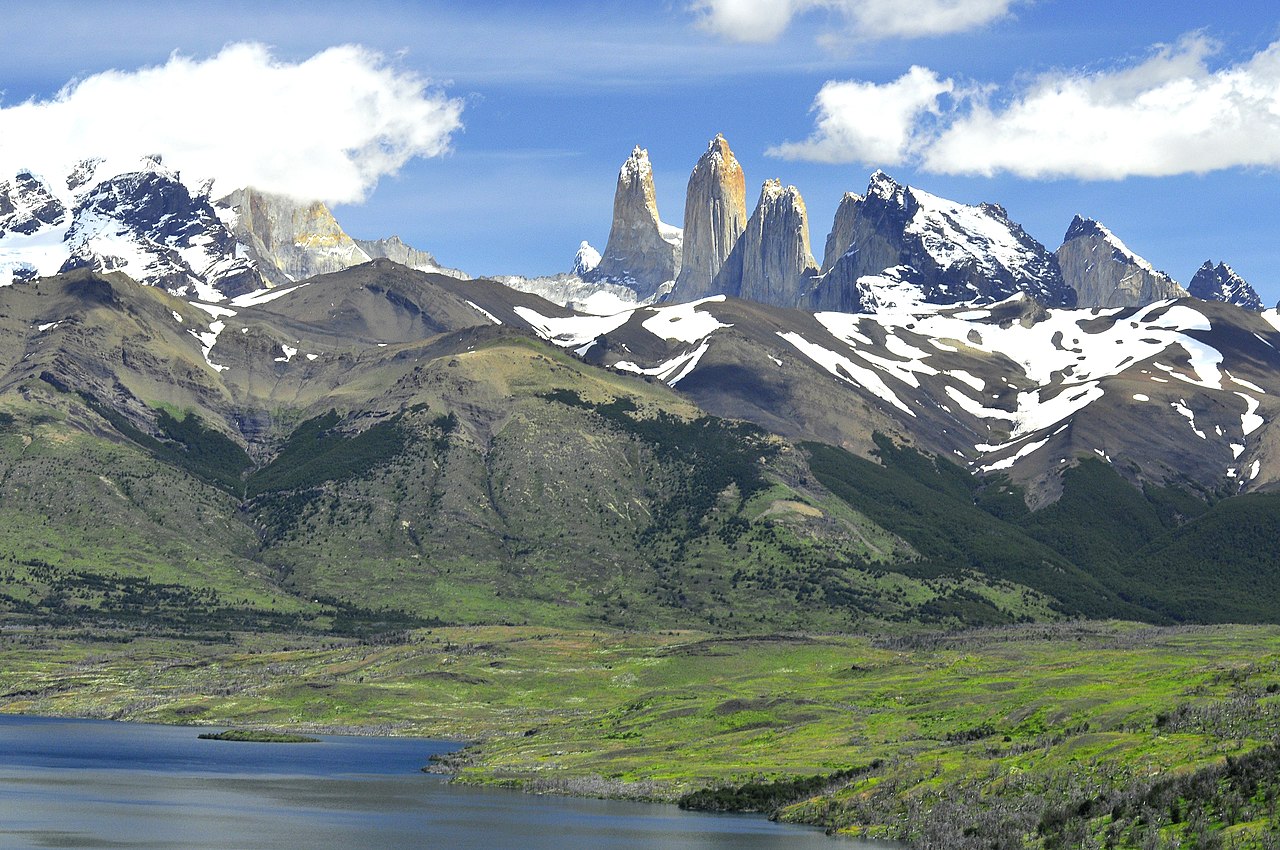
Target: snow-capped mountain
(950,252)
(1221,283)
(27,205)
(585,260)
(138,217)
(143,219)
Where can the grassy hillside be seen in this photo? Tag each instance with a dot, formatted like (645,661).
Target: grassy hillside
(512,484)
(933,504)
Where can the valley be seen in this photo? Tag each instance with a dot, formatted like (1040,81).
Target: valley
(929,551)
(940,739)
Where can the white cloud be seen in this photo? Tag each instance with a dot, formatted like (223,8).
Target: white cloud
(765,20)
(1168,114)
(328,127)
(869,123)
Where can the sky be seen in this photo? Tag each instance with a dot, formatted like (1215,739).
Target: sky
(490,133)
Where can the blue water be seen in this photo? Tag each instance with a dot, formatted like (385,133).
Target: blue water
(96,784)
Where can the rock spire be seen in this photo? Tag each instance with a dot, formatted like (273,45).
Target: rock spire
(771,262)
(715,216)
(643,253)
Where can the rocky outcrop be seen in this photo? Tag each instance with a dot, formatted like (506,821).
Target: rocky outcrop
(398,250)
(715,215)
(642,254)
(1105,273)
(931,249)
(27,205)
(291,240)
(771,261)
(1221,283)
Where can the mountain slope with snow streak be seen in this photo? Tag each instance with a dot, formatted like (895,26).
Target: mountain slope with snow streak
(1171,389)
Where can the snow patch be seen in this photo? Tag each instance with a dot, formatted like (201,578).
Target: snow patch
(213,309)
(672,371)
(264,296)
(684,322)
(846,370)
(1250,421)
(1182,408)
(208,340)
(1008,462)
(572,331)
(482,311)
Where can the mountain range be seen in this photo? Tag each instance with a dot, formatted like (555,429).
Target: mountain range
(230,406)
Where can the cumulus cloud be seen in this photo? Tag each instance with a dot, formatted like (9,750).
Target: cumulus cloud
(870,123)
(766,20)
(1170,113)
(326,128)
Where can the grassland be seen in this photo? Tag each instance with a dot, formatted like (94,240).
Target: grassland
(1004,737)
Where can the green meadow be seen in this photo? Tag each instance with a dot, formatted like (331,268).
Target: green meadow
(1059,735)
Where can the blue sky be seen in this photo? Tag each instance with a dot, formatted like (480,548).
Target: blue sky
(553,97)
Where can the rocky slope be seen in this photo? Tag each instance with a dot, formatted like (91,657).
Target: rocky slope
(1221,283)
(715,216)
(1103,272)
(396,250)
(291,240)
(1164,392)
(643,253)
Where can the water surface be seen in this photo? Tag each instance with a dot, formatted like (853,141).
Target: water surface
(96,784)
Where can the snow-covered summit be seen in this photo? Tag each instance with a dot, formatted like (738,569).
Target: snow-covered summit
(586,259)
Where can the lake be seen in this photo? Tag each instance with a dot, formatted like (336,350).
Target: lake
(97,784)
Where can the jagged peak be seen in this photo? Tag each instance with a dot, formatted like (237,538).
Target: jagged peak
(636,166)
(586,258)
(718,154)
(1085,227)
(774,192)
(884,187)
(1222,283)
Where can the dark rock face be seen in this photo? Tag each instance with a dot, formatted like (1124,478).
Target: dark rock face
(1105,273)
(27,205)
(643,254)
(1221,283)
(771,262)
(150,223)
(951,252)
(715,216)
